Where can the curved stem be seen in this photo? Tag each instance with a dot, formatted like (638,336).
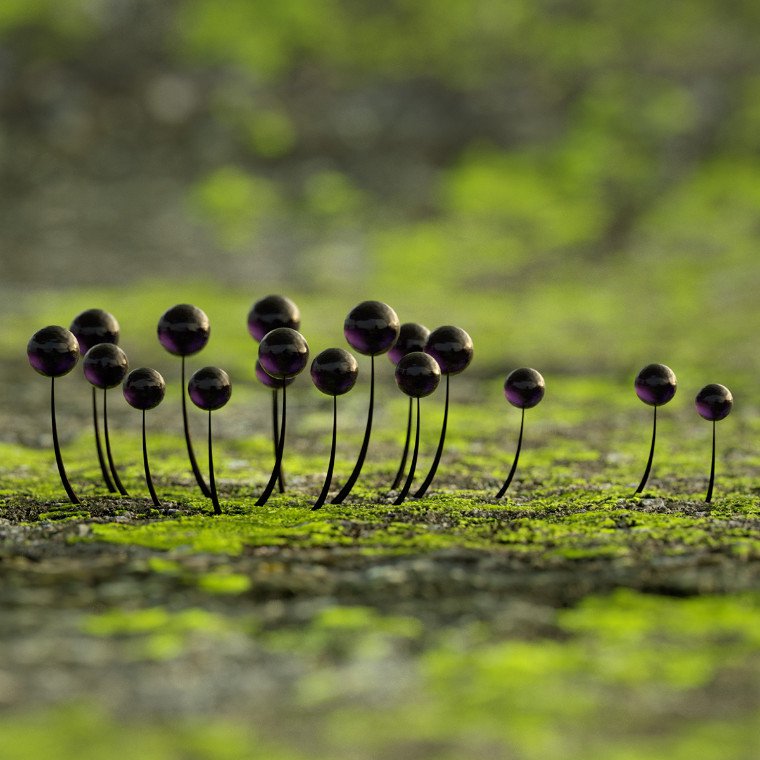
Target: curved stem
(148,479)
(402,465)
(262,500)
(708,498)
(73,498)
(365,444)
(276,438)
(434,467)
(651,454)
(413,466)
(328,477)
(112,466)
(190,453)
(103,468)
(212,481)
(511,475)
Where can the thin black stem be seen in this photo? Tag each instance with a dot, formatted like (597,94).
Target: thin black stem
(111,465)
(262,500)
(276,438)
(511,475)
(365,444)
(212,481)
(148,479)
(651,454)
(708,498)
(103,467)
(413,466)
(73,498)
(434,467)
(328,477)
(190,453)
(402,466)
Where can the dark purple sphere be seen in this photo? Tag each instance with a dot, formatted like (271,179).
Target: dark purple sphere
(411,337)
(105,365)
(271,382)
(451,347)
(144,388)
(283,352)
(655,384)
(271,312)
(714,402)
(417,374)
(94,326)
(524,388)
(53,351)
(371,328)
(183,330)
(334,371)
(210,388)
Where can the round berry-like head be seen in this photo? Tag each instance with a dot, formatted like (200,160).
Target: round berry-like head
(271,312)
(144,388)
(524,388)
(271,382)
(334,371)
(714,402)
(411,337)
(209,388)
(418,374)
(183,330)
(371,328)
(105,365)
(655,384)
(53,351)
(94,326)
(451,347)
(283,352)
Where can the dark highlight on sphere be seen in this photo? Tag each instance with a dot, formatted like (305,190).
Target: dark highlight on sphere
(53,351)
(371,328)
(655,384)
(183,330)
(524,388)
(334,371)
(94,326)
(417,374)
(144,388)
(271,312)
(451,347)
(283,352)
(209,388)
(105,365)
(271,382)
(714,402)
(411,337)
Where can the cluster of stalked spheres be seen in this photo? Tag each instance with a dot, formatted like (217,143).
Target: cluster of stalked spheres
(372,328)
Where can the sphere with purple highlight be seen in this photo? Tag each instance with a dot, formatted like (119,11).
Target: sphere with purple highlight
(144,388)
(53,351)
(94,326)
(524,388)
(271,382)
(451,347)
(105,365)
(371,328)
(411,337)
(334,371)
(183,330)
(656,384)
(283,352)
(417,374)
(714,402)
(209,388)
(271,312)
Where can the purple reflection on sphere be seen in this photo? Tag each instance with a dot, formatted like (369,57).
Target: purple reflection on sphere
(417,374)
(655,384)
(371,328)
(714,402)
(451,347)
(271,312)
(183,330)
(105,365)
(210,388)
(94,326)
(334,371)
(411,337)
(53,351)
(524,388)
(144,388)
(283,352)
(269,381)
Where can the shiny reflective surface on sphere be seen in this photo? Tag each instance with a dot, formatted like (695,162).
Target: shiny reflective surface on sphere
(105,365)
(271,382)
(411,337)
(210,388)
(451,347)
(94,326)
(144,388)
(183,330)
(283,352)
(371,328)
(714,402)
(655,384)
(271,312)
(334,371)
(417,374)
(524,388)
(53,351)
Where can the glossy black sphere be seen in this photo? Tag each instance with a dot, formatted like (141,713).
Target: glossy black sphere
(714,402)
(524,388)
(655,384)
(144,388)
(371,328)
(271,312)
(210,388)
(283,352)
(105,365)
(411,337)
(53,351)
(183,330)
(451,347)
(418,374)
(334,371)
(271,382)
(94,326)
